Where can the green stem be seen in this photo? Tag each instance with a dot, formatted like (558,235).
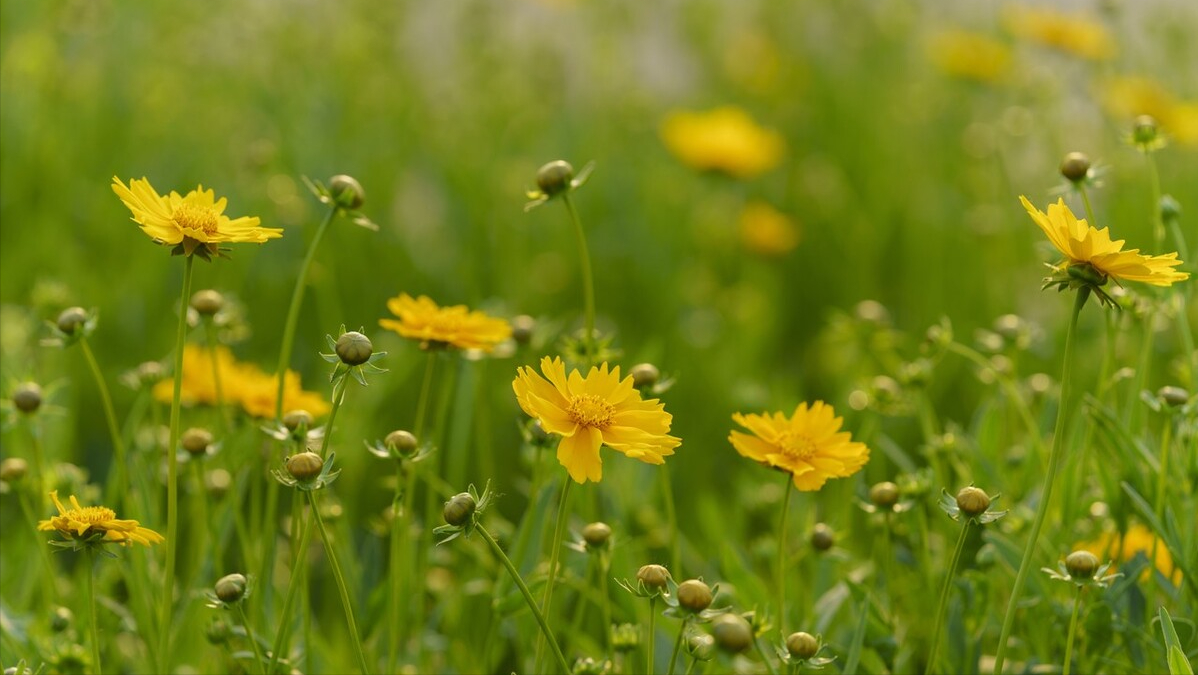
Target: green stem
(604,570)
(532,604)
(249,634)
(116,489)
(338,399)
(297,563)
(672,517)
(1081,189)
(782,557)
(1162,482)
(588,280)
(91,607)
(1158,224)
(207,529)
(213,343)
(678,644)
(1077,603)
(1054,462)
(172,480)
(761,652)
(340,579)
(297,297)
(650,641)
(558,532)
(940,609)
(691,668)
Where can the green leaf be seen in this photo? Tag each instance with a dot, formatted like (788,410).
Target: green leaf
(1178,663)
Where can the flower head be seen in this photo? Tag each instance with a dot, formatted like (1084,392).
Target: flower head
(1074,34)
(96,524)
(243,384)
(725,139)
(1137,539)
(593,411)
(809,445)
(1094,256)
(767,231)
(193,223)
(972,56)
(421,319)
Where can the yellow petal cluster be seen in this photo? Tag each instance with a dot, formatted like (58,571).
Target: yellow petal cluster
(82,522)
(1137,539)
(767,231)
(593,411)
(808,445)
(1072,33)
(725,139)
(242,384)
(199,216)
(422,319)
(1081,243)
(968,55)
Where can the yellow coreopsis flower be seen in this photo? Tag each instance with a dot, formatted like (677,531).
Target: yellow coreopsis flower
(593,411)
(766,230)
(199,384)
(196,222)
(1137,539)
(80,523)
(808,445)
(969,55)
(422,319)
(1075,34)
(257,393)
(1091,257)
(725,139)
(242,384)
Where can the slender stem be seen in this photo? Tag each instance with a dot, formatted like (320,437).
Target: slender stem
(781,568)
(172,481)
(297,563)
(678,644)
(1054,462)
(604,569)
(672,517)
(206,529)
(249,634)
(50,584)
(213,343)
(761,652)
(940,609)
(1162,482)
(691,668)
(1077,603)
(588,280)
(91,607)
(1158,223)
(338,399)
(649,640)
(558,532)
(297,297)
(1081,189)
(116,489)
(532,604)
(340,579)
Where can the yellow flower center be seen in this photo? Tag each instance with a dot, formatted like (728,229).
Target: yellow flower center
(93,515)
(796,445)
(588,410)
(190,216)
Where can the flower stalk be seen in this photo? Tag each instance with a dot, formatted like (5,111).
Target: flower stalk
(554,554)
(1077,603)
(943,605)
(786,487)
(340,579)
(91,607)
(116,489)
(588,281)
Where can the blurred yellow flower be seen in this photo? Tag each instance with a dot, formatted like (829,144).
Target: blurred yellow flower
(1081,243)
(593,411)
(1137,539)
(80,523)
(809,445)
(421,319)
(767,231)
(1125,97)
(195,221)
(725,139)
(242,384)
(969,55)
(1075,34)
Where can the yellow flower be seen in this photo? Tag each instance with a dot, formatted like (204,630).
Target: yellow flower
(1126,97)
(1082,244)
(1137,539)
(199,387)
(257,392)
(242,384)
(725,139)
(421,319)
(1072,33)
(592,411)
(809,445)
(81,522)
(969,55)
(195,221)
(767,231)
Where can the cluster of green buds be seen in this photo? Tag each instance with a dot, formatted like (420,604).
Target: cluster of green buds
(556,179)
(297,427)
(307,471)
(972,503)
(352,352)
(400,445)
(1082,568)
(801,650)
(72,325)
(345,194)
(228,591)
(462,511)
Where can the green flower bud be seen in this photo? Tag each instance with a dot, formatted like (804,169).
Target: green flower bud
(596,535)
(402,442)
(732,633)
(218,482)
(884,495)
(61,619)
(1170,209)
(973,501)
(149,372)
(459,508)
(522,328)
(700,646)
(653,576)
(802,645)
(644,375)
(218,632)
(555,177)
(872,311)
(1173,396)
(694,595)
(1075,166)
(13,469)
(354,349)
(231,587)
(822,537)
(27,397)
(305,465)
(296,419)
(625,638)
(1081,564)
(1145,130)
(207,302)
(72,319)
(196,441)
(347,192)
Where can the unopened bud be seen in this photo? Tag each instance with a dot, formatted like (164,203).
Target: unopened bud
(1173,396)
(555,177)
(802,645)
(354,348)
(694,595)
(732,633)
(207,302)
(196,441)
(822,537)
(522,328)
(596,535)
(71,320)
(1075,166)
(61,619)
(305,465)
(297,419)
(402,442)
(973,501)
(653,576)
(1145,130)
(459,508)
(1081,564)
(231,587)
(884,495)
(13,469)
(644,375)
(27,397)
(347,192)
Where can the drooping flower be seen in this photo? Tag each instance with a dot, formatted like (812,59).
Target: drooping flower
(1109,545)
(422,319)
(96,524)
(972,56)
(1072,33)
(725,139)
(1091,257)
(196,222)
(767,231)
(593,411)
(808,445)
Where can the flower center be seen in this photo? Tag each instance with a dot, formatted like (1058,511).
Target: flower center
(93,515)
(192,217)
(796,445)
(588,410)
